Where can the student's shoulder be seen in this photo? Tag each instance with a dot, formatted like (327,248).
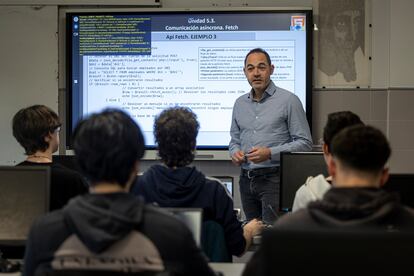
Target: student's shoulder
(62,171)
(49,222)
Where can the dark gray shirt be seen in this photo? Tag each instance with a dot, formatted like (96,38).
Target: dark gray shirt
(276,121)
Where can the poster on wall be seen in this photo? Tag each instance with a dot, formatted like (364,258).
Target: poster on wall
(341,38)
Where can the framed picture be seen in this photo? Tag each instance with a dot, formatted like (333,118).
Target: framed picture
(342,43)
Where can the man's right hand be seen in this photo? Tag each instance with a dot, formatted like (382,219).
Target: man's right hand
(238,158)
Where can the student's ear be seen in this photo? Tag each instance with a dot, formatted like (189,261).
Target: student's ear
(48,137)
(132,177)
(385,174)
(326,154)
(325,149)
(332,166)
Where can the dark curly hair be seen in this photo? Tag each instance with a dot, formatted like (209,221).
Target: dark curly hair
(175,131)
(32,124)
(107,146)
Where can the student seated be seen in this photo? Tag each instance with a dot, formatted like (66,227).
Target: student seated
(355,202)
(36,128)
(316,187)
(110,229)
(176,184)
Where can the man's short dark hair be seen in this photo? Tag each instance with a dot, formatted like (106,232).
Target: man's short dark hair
(175,131)
(107,145)
(32,124)
(362,148)
(258,50)
(337,121)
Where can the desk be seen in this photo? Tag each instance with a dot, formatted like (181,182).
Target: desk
(228,269)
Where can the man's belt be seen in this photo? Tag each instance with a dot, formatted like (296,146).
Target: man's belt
(259,172)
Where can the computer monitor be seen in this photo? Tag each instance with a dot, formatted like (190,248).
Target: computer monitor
(24,196)
(192,217)
(295,168)
(403,184)
(228,182)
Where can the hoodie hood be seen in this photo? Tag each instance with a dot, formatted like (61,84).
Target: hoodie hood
(354,206)
(171,187)
(99,220)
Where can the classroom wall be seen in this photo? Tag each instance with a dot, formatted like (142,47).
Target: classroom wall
(31,60)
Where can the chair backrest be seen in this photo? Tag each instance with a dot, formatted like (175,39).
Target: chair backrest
(213,243)
(337,252)
(295,168)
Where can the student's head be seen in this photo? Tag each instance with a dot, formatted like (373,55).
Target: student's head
(258,68)
(108,146)
(175,131)
(36,128)
(337,121)
(360,152)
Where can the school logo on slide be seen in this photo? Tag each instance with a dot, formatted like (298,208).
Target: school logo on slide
(297,23)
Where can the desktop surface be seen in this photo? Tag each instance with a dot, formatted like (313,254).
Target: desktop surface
(228,269)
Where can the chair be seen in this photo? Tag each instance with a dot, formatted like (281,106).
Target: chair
(213,242)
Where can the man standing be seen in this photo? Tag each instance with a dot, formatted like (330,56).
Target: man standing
(265,122)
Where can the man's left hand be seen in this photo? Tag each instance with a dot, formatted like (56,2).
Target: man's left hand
(259,154)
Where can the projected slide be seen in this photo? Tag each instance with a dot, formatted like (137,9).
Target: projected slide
(144,63)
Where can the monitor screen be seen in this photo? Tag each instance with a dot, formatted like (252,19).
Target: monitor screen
(192,217)
(144,62)
(295,168)
(24,196)
(228,183)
